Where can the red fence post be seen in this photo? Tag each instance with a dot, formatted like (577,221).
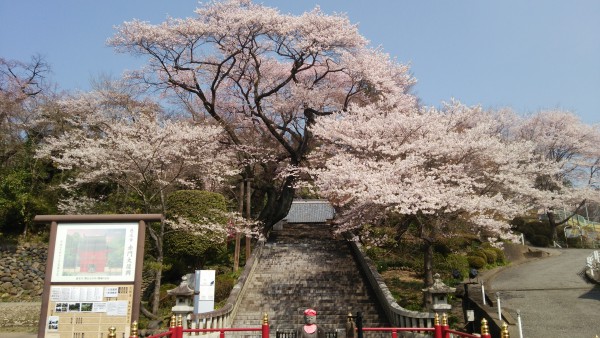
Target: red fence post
(222,334)
(265,326)
(179,328)
(445,326)
(394,334)
(437,326)
(172,326)
(485,330)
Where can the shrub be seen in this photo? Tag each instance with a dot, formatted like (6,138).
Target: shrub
(476,262)
(195,205)
(491,256)
(540,240)
(479,253)
(459,263)
(189,251)
(223,285)
(500,256)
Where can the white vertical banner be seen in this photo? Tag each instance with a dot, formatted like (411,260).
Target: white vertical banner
(206,295)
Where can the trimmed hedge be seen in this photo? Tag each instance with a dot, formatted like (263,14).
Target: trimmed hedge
(186,250)
(476,262)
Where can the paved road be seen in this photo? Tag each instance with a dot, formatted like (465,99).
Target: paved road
(552,295)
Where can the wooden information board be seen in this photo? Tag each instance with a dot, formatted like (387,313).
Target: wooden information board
(93,277)
(88,311)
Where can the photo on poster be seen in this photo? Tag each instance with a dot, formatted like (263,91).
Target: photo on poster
(86,307)
(74,307)
(95,252)
(53,323)
(61,307)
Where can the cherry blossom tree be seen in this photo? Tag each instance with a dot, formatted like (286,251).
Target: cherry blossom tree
(571,148)
(440,169)
(265,77)
(25,93)
(129,143)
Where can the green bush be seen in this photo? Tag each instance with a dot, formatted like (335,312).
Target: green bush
(479,253)
(195,205)
(189,251)
(491,256)
(459,263)
(500,256)
(476,262)
(223,285)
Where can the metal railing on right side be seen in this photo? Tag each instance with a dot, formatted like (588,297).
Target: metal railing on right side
(593,264)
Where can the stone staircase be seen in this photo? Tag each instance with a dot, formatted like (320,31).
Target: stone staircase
(303,266)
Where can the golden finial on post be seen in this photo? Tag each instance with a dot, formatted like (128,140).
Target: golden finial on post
(265,319)
(172,321)
(134,329)
(484,327)
(436,319)
(349,317)
(505,333)
(444,319)
(112,332)
(179,321)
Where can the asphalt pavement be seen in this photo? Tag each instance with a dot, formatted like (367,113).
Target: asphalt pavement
(552,295)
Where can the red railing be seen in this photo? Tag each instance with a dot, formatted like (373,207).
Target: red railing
(176,330)
(440,330)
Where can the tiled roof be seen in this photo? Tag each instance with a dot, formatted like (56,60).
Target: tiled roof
(310,211)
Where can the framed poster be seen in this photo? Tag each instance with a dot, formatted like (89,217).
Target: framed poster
(93,280)
(95,252)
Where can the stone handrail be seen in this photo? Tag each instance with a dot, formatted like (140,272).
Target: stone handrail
(396,314)
(222,317)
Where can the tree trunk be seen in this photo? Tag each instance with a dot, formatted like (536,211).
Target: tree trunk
(159,242)
(278,204)
(553,225)
(427,272)
(157,284)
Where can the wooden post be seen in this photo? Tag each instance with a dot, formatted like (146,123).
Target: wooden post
(248,215)
(236,252)
(485,330)
(265,326)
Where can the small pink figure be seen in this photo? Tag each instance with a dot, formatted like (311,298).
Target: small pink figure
(310,328)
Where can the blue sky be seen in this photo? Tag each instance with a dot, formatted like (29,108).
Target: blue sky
(527,55)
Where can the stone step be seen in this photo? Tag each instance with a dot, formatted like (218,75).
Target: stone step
(303,266)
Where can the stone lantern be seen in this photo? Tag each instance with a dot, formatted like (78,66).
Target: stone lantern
(439,293)
(184,297)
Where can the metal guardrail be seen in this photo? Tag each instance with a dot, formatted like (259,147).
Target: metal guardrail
(593,262)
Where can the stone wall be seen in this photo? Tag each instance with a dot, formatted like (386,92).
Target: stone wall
(22,271)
